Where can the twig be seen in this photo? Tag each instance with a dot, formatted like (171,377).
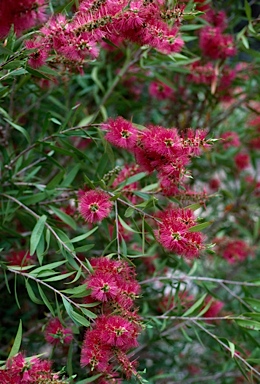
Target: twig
(28,276)
(198,278)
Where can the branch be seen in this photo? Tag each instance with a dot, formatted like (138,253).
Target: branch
(26,275)
(198,278)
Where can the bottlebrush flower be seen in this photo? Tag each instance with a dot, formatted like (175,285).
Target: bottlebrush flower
(230,139)
(55,333)
(161,91)
(173,233)
(216,45)
(242,161)
(21,258)
(232,249)
(116,330)
(119,332)
(21,14)
(103,286)
(94,205)
(121,133)
(202,73)
(19,370)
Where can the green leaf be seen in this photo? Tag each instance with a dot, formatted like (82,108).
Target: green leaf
(32,294)
(55,181)
(84,236)
(94,75)
(249,324)
(84,248)
(88,313)
(126,226)
(17,341)
(232,348)
(129,212)
(5,51)
(50,266)
(80,289)
(46,301)
(254,303)
(40,249)
(67,306)
(194,206)
(70,176)
(195,306)
(33,199)
(36,233)
(132,179)
(199,227)
(60,277)
(20,129)
(248,10)
(79,319)
(64,217)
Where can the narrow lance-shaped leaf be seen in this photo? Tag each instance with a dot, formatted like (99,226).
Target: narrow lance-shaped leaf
(36,234)
(17,341)
(46,301)
(195,306)
(64,217)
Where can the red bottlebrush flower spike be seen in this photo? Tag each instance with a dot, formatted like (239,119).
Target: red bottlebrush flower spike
(216,45)
(121,133)
(103,286)
(242,161)
(94,205)
(21,258)
(174,235)
(161,91)
(19,370)
(230,139)
(22,14)
(55,333)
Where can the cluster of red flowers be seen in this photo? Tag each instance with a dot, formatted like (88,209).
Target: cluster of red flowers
(174,232)
(161,91)
(19,370)
(213,42)
(233,250)
(94,205)
(158,148)
(230,139)
(21,258)
(56,333)
(22,14)
(116,330)
(242,161)
(214,45)
(254,142)
(72,41)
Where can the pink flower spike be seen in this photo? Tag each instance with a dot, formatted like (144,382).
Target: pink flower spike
(94,205)
(121,133)
(103,286)
(55,333)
